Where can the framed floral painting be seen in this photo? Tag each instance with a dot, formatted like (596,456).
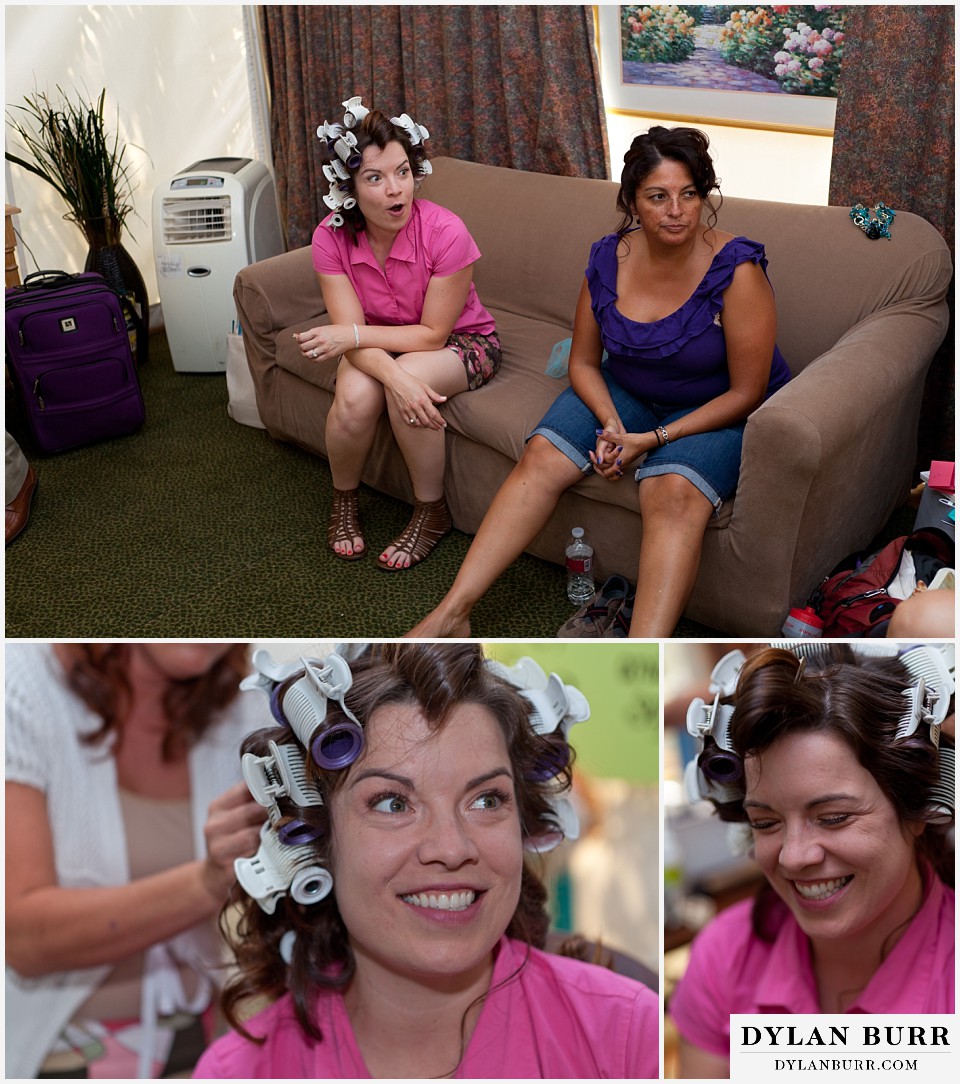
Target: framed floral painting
(773,66)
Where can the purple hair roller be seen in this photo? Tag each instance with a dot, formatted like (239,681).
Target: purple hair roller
(296,832)
(338,746)
(720,766)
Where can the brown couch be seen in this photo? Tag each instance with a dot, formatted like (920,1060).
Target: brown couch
(825,461)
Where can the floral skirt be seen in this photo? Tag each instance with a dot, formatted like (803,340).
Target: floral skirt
(480,355)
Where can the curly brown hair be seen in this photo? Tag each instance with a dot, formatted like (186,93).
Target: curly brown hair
(98,674)
(437,678)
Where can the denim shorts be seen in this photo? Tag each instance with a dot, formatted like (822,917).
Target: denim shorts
(711,461)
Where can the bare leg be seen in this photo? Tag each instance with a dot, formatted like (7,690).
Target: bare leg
(517,514)
(675,516)
(351,426)
(423,449)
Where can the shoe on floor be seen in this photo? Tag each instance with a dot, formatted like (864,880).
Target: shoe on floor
(18,510)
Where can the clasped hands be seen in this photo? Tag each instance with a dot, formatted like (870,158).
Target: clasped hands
(616,450)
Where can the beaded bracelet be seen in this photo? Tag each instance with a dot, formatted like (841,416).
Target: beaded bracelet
(874,228)
(356,337)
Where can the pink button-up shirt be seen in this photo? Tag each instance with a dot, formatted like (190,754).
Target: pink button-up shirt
(434,242)
(732,971)
(545,1016)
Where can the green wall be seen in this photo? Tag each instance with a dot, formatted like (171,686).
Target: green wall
(621,681)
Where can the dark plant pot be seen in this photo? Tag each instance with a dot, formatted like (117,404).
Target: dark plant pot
(117,266)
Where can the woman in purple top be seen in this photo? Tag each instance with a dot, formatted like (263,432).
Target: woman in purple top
(687,319)
(406,323)
(836,765)
(398,913)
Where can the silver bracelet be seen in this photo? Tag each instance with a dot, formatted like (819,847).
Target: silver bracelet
(356,337)
(662,430)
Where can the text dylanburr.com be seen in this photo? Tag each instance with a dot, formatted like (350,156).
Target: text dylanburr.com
(842,1048)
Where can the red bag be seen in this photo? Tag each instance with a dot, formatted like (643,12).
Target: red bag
(854,601)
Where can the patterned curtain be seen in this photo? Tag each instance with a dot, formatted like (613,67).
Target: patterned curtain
(510,86)
(894,142)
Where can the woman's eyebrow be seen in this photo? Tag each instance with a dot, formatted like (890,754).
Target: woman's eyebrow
(405,781)
(487,776)
(752,803)
(377,773)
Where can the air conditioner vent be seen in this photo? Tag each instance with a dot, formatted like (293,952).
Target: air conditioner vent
(188,220)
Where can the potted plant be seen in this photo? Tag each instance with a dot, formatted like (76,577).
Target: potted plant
(68,146)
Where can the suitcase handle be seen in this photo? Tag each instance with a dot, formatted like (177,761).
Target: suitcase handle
(43,280)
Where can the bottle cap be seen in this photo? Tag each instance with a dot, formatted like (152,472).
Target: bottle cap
(808,616)
(577,532)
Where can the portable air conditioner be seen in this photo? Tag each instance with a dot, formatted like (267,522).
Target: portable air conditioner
(209,221)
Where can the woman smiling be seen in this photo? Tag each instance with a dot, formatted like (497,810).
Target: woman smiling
(834,761)
(405,938)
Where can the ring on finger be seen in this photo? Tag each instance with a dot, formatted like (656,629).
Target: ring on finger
(413,421)
(313,353)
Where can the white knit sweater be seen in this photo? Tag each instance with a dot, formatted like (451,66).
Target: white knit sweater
(43,722)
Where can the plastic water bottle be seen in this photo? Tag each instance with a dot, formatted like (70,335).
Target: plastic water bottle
(802,623)
(580,586)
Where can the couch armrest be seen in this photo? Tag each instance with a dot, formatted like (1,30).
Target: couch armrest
(271,295)
(829,457)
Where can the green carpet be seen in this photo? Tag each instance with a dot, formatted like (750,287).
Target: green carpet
(199,527)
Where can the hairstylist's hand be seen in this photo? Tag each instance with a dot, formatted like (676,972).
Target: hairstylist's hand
(415,399)
(328,341)
(232,831)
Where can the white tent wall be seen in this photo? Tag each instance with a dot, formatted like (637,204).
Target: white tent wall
(177,73)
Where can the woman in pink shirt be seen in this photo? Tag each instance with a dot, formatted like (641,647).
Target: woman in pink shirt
(833,761)
(396,919)
(405,322)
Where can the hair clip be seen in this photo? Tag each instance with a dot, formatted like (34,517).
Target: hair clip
(298,698)
(555,705)
(355,112)
(301,703)
(276,870)
(336,221)
(936,664)
(724,676)
(717,770)
(801,666)
(416,133)
(346,149)
(568,827)
(267,673)
(330,133)
(281,774)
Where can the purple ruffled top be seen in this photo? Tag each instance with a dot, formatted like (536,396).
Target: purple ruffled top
(680,360)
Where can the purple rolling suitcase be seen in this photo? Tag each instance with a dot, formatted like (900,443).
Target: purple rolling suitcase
(68,355)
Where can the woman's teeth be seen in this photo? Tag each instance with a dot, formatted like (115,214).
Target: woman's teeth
(442,901)
(820,890)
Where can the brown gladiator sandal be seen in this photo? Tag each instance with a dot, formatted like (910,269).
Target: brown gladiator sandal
(428,524)
(344,523)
